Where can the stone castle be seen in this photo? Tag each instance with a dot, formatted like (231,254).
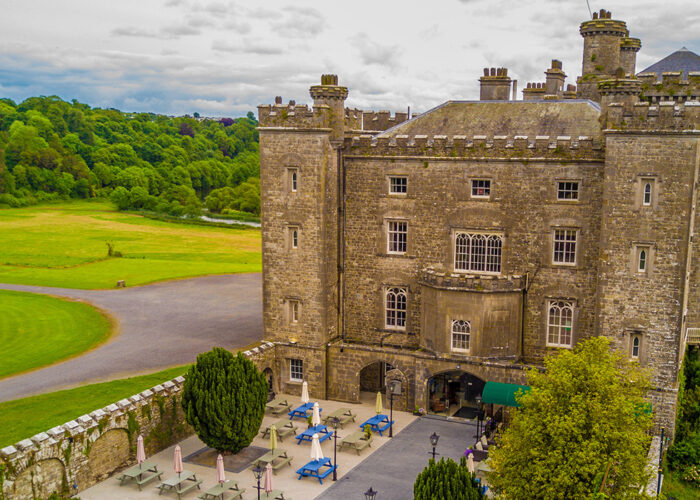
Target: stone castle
(464,244)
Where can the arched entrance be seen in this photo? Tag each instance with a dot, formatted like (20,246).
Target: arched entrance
(269,376)
(454,393)
(373,377)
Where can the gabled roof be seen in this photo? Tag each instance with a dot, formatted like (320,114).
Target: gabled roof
(681,60)
(573,117)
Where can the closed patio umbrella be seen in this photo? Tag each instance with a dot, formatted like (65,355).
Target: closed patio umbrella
(316,416)
(220,475)
(177,460)
(140,452)
(316,451)
(304,392)
(470,463)
(273,437)
(378,406)
(268,478)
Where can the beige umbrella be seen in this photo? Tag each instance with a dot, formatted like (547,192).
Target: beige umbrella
(273,437)
(316,451)
(220,474)
(140,452)
(378,406)
(470,463)
(268,479)
(304,392)
(177,460)
(316,416)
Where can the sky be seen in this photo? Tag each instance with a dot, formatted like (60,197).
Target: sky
(223,58)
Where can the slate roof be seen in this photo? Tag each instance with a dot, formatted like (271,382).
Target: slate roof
(573,117)
(681,60)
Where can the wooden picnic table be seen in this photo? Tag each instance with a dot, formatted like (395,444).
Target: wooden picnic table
(178,483)
(219,490)
(302,411)
(344,415)
(284,428)
(308,434)
(313,469)
(277,406)
(140,474)
(378,423)
(277,458)
(273,495)
(357,440)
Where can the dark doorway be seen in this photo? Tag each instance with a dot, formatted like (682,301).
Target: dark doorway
(451,391)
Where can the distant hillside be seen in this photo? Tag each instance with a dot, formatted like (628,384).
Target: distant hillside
(52,149)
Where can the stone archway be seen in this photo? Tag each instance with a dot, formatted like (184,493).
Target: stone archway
(40,480)
(108,453)
(451,391)
(271,383)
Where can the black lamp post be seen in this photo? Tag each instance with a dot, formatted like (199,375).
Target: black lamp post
(370,494)
(335,422)
(479,416)
(394,389)
(258,471)
(434,441)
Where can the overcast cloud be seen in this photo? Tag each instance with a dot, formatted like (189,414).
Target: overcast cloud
(223,58)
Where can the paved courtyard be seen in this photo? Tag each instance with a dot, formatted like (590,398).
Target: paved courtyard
(159,325)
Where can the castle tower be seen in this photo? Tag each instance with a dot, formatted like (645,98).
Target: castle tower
(495,85)
(330,94)
(602,38)
(628,54)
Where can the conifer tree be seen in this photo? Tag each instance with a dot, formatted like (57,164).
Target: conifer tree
(446,480)
(224,399)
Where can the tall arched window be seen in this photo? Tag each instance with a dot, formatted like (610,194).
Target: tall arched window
(294,180)
(560,323)
(642,264)
(461,333)
(395,308)
(647,193)
(636,341)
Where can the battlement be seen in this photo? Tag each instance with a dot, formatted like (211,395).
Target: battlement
(666,116)
(603,24)
(671,87)
(293,115)
(438,278)
(478,146)
(633,44)
(381,120)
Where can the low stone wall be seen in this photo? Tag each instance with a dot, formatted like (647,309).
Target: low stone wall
(78,454)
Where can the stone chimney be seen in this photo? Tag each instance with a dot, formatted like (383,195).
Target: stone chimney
(495,85)
(554,83)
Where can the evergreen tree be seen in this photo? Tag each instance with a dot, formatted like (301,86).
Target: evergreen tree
(224,399)
(446,480)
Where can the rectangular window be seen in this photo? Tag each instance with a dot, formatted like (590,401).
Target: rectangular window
(478,252)
(395,308)
(293,179)
(294,311)
(461,332)
(560,323)
(397,232)
(481,188)
(296,370)
(564,246)
(567,191)
(398,185)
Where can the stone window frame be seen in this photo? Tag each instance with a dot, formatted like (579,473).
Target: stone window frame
(390,182)
(487,187)
(489,234)
(558,190)
(296,367)
(654,182)
(569,303)
(396,290)
(294,311)
(293,236)
(636,249)
(630,334)
(289,303)
(292,179)
(576,241)
(398,231)
(467,333)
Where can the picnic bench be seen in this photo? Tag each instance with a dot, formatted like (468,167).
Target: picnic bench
(277,406)
(219,490)
(378,423)
(277,458)
(180,483)
(302,411)
(344,415)
(308,434)
(140,474)
(273,495)
(313,469)
(284,428)
(357,440)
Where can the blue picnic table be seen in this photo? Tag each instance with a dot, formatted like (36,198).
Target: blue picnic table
(301,411)
(378,423)
(313,469)
(308,434)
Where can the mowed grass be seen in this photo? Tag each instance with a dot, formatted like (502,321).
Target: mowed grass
(65,245)
(23,418)
(36,330)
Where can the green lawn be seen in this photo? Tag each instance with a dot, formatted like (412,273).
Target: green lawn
(23,418)
(65,245)
(36,330)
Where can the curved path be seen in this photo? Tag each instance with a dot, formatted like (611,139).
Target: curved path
(159,325)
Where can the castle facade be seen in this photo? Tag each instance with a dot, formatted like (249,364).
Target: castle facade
(464,244)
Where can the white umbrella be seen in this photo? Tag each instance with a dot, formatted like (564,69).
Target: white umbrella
(316,451)
(316,416)
(220,474)
(140,452)
(177,460)
(304,392)
(470,463)
(268,479)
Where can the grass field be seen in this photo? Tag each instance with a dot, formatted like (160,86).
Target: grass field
(65,245)
(36,330)
(23,418)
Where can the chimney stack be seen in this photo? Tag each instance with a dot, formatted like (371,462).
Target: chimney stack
(495,84)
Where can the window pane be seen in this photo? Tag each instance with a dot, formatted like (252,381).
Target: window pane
(481,188)
(460,334)
(398,185)
(567,190)
(565,246)
(478,252)
(296,369)
(478,256)
(647,193)
(395,311)
(397,233)
(560,323)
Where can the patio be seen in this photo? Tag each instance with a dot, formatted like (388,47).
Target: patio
(285,479)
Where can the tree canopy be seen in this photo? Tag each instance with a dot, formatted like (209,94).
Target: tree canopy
(584,416)
(446,480)
(50,148)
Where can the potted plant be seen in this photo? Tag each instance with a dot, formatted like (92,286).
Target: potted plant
(368,432)
(309,422)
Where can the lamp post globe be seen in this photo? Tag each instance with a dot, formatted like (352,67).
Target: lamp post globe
(370,494)
(258,472)
(434,437)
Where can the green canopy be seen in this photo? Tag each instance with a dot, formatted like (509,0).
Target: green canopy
(502,394)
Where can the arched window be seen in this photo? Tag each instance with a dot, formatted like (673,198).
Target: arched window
(395,308)
(294,180)
(461,332)
(636,341)
(642,264)
(647,193)
(295,238)
(560,323)
(493,254)
(462,251)
(478,252)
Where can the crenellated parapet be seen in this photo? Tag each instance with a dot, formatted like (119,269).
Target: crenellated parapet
(671,86)
(381,120)
(480,283)
(665,116)
(353,119)
(294,116)
(560,148)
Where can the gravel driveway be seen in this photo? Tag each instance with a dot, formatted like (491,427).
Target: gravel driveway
(159,325)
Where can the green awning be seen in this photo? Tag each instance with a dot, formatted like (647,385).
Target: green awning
(502,394)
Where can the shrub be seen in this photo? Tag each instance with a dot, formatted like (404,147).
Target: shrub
(446,480)
(224,399)
(685,452)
